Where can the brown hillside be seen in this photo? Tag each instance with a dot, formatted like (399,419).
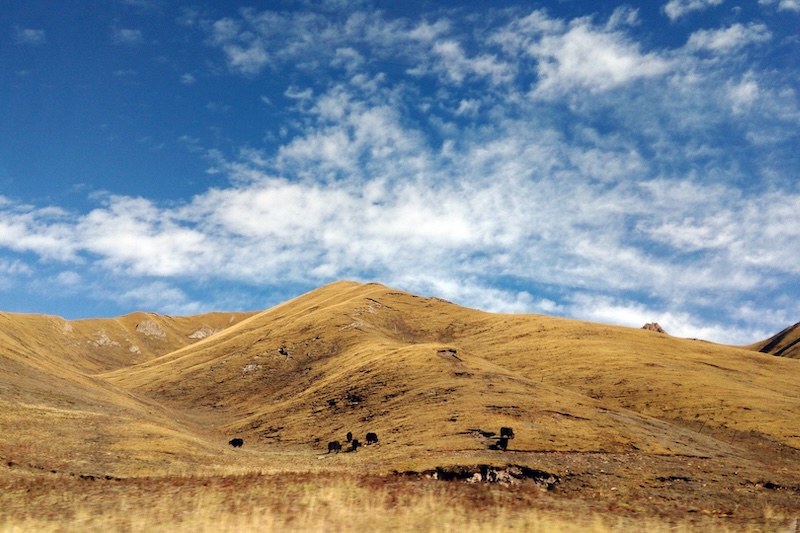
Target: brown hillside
(784,344)
(427,374)
(103,344)
(612,419)
(56,413)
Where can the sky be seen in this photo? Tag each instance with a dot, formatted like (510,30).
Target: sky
(615,162)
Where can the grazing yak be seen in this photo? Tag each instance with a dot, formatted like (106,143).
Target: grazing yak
(355,445)
(507,433)
(372,438)
(334,446)
(349,436)
(236,443)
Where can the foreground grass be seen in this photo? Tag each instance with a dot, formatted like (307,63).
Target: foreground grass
(314,502)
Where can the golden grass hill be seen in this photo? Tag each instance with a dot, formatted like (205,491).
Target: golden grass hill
(598,413)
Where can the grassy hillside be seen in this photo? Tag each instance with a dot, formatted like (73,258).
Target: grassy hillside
(784,344)
(426,374)
(56,414)
(617,415)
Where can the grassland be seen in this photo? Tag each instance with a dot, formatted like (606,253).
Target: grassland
(635,429)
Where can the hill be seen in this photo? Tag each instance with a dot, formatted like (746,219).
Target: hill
(426,373)
(56,414)
(784,344)
(686,420)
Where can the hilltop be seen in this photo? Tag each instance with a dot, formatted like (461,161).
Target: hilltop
(784,344)
(434,380)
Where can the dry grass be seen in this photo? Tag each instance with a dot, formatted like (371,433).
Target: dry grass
(646,431)
(317,502)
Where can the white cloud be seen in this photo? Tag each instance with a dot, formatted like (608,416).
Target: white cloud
(678,8)
(728,39)
(743,94)
(623,16)
(126,36)
(69,279)
(585,57)
(609,310)
(419,159)
(783,5)
(452,62)
(134,235)
(159,295)
(46,232)
(11,271)
(30,36)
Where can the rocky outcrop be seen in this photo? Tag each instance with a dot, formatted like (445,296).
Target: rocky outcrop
(203,332)
(653,326)
(151,329)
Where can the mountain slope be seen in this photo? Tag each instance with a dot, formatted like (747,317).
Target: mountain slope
(430,376)
(103,344)
(55,414)
(784,344)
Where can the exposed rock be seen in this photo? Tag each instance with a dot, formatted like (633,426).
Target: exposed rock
(151,329)
(203,332)
(508,475)
(250,368)
(104,340)
(653,326)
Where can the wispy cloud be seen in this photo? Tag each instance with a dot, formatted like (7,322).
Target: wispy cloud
(678,8)
(126,36)
(783,5)
(729,39)
(29,36)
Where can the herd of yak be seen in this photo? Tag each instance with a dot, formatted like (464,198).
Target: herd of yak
(336,446)
(506,433)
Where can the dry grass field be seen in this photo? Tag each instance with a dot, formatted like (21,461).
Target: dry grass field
(123,424)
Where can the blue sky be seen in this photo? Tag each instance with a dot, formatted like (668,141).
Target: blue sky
(615,162)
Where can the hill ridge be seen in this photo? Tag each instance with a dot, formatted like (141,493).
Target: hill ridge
(431,377)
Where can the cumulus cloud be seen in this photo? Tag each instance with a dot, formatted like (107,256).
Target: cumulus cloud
(596,60)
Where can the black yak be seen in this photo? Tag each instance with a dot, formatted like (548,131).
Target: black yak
(334,446)
(372,438)
(507,432)
(236,443)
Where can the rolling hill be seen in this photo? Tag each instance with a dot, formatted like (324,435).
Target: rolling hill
(56,414)
(145,395)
